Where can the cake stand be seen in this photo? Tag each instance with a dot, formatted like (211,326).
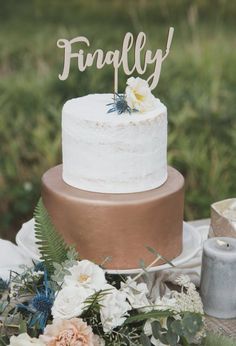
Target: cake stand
(25,239)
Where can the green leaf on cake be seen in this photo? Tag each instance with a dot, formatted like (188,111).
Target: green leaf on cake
(51,245)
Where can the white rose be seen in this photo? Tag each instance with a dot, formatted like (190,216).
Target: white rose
(25,340)
(86,274)
(138,95)
(114,309)
(69,302)
(136,293)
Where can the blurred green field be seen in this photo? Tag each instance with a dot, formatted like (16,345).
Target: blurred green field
(198,84)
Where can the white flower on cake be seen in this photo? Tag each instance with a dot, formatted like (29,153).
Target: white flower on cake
(138,95)
(136,293)
(25,340)
(114,308)
(69,302)
(86,274)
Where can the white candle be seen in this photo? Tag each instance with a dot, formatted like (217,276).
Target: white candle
(218,277)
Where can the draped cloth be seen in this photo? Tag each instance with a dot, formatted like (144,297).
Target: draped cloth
(12,257)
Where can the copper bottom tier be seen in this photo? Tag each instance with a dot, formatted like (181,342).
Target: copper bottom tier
(119,226)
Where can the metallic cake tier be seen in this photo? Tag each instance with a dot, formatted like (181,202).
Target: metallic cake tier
(119,226)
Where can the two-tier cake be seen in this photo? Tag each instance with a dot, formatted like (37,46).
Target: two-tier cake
(114,194)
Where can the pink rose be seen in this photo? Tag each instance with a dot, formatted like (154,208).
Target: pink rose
(73,332)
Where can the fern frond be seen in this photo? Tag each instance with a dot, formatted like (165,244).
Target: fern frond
(51,245)
(94,302)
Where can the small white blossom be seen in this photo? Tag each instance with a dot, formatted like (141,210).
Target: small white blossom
(138,95)
(114,308)
(136,293)
(188,299)
(25,340)
(86,274)
(183,280)
(165,303)
(69,302)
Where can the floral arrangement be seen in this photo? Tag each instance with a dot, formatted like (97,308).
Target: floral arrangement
(137,98)
(67,301)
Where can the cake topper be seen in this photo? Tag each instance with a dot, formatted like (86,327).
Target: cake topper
(117,58)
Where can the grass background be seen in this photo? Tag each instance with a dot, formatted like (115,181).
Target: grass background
(198,84)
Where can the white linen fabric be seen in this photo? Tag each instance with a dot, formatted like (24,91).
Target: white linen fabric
(158,282)
(12,256)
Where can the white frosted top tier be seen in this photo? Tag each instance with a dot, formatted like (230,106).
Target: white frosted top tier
(113,153)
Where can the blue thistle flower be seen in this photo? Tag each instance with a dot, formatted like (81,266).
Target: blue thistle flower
(42,303)
(39,308)
(119,105)
(39,266)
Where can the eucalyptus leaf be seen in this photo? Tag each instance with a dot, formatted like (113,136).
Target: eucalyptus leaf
(159,334)
(145,341)
(156,328)
(177,327)
(172,338)
(191,323)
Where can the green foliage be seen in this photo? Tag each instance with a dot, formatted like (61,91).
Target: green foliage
(51,245)
(187,327)
(148,315)
(93,303)
(197,84)
(218,340)
(145,341)
(4,340)
(177,332)
(61,269)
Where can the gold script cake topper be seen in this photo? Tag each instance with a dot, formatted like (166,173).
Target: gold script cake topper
(117,58)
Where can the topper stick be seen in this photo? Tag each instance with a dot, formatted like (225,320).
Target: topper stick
(115,80)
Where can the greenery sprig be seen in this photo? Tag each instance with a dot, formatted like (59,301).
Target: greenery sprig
(51,245)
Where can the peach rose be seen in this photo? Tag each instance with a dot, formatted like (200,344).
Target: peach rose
(73,332)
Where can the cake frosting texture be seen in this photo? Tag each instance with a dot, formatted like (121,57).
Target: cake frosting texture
(113,153)
(117,225)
